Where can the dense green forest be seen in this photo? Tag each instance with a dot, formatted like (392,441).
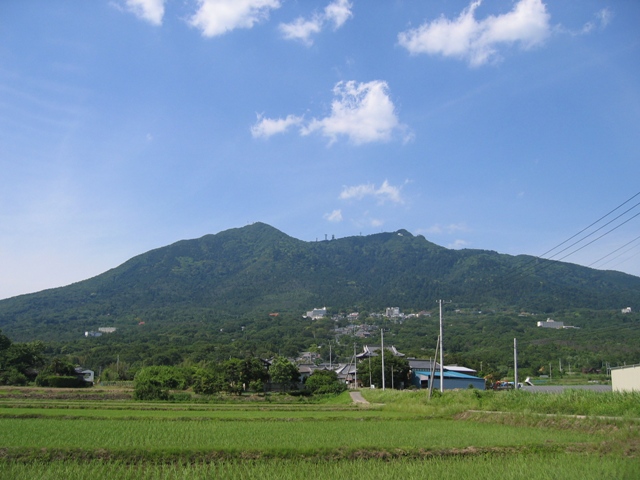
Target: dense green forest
(213,298)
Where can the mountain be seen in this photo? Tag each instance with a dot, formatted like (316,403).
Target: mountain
(256,270)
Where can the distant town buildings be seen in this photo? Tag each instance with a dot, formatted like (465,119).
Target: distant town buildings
(100,331)
(626,310)
(392,312)
(550,323)
(316,313)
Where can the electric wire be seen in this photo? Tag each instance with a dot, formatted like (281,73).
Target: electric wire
(588,227)
(616,250)
(626,259)
(534,264)
(603,235)
(593,233)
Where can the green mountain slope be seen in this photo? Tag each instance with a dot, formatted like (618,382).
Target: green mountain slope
(257,269)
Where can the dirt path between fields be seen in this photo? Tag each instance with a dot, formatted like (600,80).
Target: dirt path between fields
(358,398)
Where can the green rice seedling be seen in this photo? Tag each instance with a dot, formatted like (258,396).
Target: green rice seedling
(480,467)
(260,435)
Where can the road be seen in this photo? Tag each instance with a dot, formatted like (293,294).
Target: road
(562,388)
(358,398)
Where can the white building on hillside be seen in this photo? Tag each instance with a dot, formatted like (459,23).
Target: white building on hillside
(316,313)
(551,324)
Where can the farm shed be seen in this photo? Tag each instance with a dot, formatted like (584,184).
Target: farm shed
(625,379)
(420,378)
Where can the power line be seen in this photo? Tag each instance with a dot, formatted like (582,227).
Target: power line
(594,232)
(587,228)
(603,235)
(616,250)
(528,267)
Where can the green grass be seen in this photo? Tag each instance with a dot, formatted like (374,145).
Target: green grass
(570,402)
(531,467)
(402,434)
(272,436)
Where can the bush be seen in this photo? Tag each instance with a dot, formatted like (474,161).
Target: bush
(180,397)
(61,381)
(207,382)
(173,378)
(13,376)
(325,381)
(256,386)
(150,389)
(334,388)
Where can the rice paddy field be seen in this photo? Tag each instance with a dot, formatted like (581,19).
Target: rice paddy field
(456,435)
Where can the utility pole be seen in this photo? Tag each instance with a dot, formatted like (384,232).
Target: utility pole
(441,350)
(355,365)
(515,364)
(382,349)
(433,368)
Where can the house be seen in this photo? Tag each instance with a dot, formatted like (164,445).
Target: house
(626,310)
(307,357)
(459,369)
(347,372)
(374,351)
(87,375)
(453,376)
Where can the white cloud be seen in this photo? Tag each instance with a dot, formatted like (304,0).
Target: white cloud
(458,244)
(603,19)
(477,41)
(438,229)
(604,16)
(363,112)
(217,17)
(150,10)
(335,216)
(301,29)
(337,13)
(266,127)
(385,192)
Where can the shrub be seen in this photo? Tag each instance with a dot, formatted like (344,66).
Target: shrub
(173,378)
(61,381)
(150,389)
(325,381)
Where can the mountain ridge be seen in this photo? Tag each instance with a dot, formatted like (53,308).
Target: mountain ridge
(257,269)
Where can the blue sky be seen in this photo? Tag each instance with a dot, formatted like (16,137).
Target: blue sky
(126,125)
